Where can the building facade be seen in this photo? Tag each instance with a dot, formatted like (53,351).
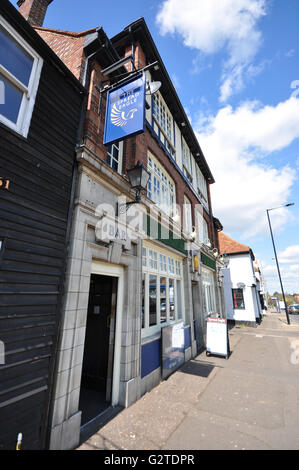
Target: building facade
(40,108)
(130,276)
(241,281)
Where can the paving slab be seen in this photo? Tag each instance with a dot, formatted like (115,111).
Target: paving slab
(249,401)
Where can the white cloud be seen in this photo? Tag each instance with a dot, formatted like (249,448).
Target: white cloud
(289,276)
(234,142)
(212,26)
(289,255)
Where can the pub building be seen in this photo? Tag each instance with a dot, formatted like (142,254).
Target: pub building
(143,270)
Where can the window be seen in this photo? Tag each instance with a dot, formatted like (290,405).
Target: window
(161,188)
(187,164)
(162,295)
(143,256)
(201,186)
(164,123)
(20,70)
(152,259)
(114,156)
(202,228)
(163,266)
(187,215)
(209,295)
(238,298)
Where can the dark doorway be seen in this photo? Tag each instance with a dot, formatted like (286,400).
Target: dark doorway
(96,381)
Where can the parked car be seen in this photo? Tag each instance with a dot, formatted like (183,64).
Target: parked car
(293,308)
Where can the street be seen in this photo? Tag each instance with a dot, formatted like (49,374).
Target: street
(248,402)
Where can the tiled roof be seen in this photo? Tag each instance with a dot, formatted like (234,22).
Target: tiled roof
(228,245)
(66,33)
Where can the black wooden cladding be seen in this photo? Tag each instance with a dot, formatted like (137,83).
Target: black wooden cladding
(33,223)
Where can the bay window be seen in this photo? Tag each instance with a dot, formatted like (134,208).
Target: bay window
(162,294)
(187,163)
(201,229)
(201,186)
(187,215)
(20,70)
(161,188)
(163,123)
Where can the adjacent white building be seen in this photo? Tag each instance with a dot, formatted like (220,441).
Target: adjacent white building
(240,281)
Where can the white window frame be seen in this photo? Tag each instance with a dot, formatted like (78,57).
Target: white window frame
(161,187)
(201,185)
(188,226)
(164,122)
(29,92)
(162,271)
(187,162)
(202,228)
(119,146)
(209,291)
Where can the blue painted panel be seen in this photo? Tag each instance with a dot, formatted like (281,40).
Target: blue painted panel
(187,337)
(125,111)
(150,357)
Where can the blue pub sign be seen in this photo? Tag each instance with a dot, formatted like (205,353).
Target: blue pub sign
(125,110)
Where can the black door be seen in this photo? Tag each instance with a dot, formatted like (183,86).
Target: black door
(98,349)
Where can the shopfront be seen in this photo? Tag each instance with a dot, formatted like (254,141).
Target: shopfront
(163,305)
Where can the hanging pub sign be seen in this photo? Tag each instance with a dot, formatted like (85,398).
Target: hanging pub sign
(125,110)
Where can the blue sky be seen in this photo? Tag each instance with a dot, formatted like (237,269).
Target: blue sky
(235,67)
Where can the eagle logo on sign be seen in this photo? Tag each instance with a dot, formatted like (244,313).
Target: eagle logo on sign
(120,118)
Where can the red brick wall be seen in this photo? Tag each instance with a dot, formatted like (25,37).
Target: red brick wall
(68,48)
(34,11)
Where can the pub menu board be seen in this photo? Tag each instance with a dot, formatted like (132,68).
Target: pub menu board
(217,337)
(173,348)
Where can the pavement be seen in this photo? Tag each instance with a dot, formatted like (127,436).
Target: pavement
(249,401)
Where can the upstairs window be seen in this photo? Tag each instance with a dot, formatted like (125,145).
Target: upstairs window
(187,215)
(20,69)
(161,188)
(202,229)
(187,164)
(163,123)
(114,156)
(201,186)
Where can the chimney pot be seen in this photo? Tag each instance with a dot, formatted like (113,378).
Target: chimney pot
(34,11)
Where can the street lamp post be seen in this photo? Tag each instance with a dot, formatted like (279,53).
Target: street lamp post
(278,270)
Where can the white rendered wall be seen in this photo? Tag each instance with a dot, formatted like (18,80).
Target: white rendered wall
(240,271)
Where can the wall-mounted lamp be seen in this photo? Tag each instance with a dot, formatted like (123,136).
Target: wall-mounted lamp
(138,177)
(215,252)
(193,234)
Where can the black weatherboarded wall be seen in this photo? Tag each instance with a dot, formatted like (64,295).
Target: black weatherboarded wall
(33,225)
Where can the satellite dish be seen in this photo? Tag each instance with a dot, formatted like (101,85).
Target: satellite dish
(152,88)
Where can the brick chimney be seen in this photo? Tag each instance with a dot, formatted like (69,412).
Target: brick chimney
(34,11)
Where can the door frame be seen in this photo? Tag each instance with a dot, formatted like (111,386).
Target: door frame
(114,270)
